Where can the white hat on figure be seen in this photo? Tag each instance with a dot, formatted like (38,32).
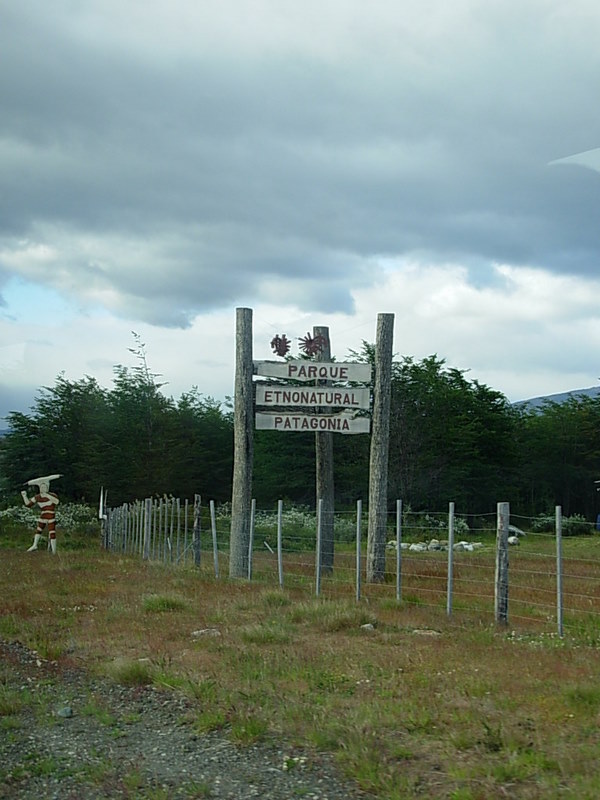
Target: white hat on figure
(45,480)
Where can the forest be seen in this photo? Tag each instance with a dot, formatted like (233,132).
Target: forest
(451,439)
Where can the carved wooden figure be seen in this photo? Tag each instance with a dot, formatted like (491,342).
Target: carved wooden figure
(47,502)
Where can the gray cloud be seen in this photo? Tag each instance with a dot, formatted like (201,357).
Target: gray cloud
(171,180)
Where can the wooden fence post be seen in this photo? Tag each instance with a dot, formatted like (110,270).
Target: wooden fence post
(501,582)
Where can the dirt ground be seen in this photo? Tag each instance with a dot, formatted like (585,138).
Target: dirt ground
(69,735)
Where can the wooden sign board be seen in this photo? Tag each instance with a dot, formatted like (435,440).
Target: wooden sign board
(277,394)
(313,371)
(311,423)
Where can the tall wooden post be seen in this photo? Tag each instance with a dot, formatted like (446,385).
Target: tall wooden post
(380,435)
(324,470)
(243,449)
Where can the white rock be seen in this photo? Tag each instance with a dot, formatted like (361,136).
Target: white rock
(205,632)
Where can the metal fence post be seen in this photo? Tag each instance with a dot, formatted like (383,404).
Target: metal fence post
(559,571)
(358,538)
(196,531)
(398,550)
(318,554)
(147,527)
(251,537)
(213,525)
(280,541)
(450,558)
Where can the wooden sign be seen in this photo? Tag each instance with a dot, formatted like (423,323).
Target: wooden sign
(276,394)
(313,371)
(311,423)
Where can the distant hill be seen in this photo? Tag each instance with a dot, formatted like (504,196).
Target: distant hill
(561,397)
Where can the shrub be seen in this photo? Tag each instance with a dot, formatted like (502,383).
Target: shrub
(70,517)
(575,525)
(428,526)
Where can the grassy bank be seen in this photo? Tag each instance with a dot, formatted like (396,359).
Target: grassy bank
(412,703)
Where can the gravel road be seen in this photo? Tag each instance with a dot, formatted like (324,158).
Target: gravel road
(66,735)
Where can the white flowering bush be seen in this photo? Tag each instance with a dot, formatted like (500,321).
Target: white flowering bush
(575,525)
(70,517)
(427,526)
(298,524)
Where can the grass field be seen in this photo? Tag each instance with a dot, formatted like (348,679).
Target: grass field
(415,705)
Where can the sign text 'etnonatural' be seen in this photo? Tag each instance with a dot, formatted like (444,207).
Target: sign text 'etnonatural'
(323,396)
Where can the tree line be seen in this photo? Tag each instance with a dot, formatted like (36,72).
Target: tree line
(451,438)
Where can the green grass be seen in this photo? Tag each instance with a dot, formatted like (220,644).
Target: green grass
(475,711)
(131,672)
(158,604)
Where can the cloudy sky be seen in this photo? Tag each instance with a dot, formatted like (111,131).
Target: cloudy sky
(320,162)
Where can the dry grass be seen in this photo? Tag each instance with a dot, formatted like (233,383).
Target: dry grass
(419,705)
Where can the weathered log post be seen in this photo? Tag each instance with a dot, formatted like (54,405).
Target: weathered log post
(380,434)
(243,448)
(324,468)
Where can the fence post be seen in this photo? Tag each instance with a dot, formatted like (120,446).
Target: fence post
(358,538)
(450,558)
(141,521)
(501,581)
(185,530)
(196,530)
(147,527)
(178,548)
(213,525)
(398,550)
(280,541)
(559,571)
(318,554)
(126,524)
(166,541)
(251,539)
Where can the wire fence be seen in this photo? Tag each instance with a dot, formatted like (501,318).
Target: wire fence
(538,574)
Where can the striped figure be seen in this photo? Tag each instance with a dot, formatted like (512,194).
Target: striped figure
(46,502)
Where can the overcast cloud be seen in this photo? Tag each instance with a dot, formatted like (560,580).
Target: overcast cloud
(320,162)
